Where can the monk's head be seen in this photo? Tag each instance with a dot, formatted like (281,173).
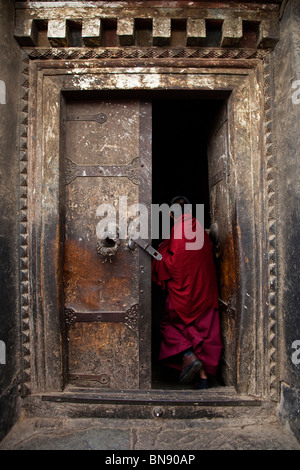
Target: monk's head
(179,205)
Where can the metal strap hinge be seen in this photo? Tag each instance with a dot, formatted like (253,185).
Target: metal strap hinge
(145,246)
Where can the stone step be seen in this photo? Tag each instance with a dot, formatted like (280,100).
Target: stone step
(182,404)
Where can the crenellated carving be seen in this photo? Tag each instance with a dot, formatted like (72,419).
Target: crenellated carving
(58,33)
(91,32)
(232,31)
(59,21)
(125,31)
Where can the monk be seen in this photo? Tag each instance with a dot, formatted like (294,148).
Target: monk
(190,326)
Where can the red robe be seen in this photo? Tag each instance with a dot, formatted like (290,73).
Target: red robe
(190,274)
(191,319)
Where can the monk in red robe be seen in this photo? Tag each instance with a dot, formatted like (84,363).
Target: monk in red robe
(190,325)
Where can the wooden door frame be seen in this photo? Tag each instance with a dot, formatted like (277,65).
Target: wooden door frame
(48,81)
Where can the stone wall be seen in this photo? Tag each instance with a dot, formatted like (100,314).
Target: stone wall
(287,109)
(9,183)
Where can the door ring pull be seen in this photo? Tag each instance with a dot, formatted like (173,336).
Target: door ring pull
(108,244)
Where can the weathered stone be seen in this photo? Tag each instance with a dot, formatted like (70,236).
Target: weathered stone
(9,215)
(125,31)
(161,31)
(268,34)
(91,32)
(287,190)
(232,31)
(26,32)
(164,19)
(58,33)
(242,430)
(195,32)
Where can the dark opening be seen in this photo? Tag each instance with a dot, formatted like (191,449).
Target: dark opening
(180,167)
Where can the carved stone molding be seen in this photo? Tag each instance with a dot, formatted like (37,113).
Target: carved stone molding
(131,315)
(161,21)
(115,53)
(272,230)
(24,257)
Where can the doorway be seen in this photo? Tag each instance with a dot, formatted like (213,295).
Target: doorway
(182,131)
(237,183)
(188,156)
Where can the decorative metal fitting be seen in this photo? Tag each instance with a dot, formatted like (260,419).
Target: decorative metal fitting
(108,244)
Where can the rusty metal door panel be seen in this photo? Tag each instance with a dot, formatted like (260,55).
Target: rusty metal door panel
(102,281)
(221,184)
(93,282)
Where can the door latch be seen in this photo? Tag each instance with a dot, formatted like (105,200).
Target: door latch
(145,246)
(101,118)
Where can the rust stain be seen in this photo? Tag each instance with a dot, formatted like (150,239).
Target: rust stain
(90,284)
(227,269)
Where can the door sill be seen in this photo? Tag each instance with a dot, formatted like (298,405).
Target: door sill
(218,396)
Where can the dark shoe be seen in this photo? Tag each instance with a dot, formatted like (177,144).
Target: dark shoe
(202,384)
(191,367)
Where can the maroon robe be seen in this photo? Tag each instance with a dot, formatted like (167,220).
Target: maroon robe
(191,316)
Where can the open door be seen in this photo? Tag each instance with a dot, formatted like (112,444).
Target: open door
(222,203)
(107,307)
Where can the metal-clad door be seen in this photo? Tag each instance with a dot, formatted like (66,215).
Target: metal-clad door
(222,204)
(106,284)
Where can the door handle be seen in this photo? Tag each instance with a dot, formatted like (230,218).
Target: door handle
(145,246)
